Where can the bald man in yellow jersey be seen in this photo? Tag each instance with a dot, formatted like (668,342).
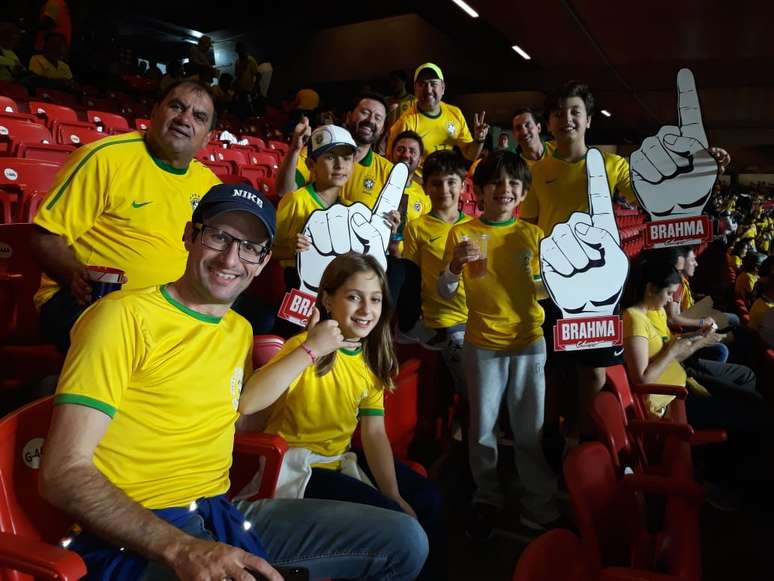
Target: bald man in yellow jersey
(121,202)
(440,125)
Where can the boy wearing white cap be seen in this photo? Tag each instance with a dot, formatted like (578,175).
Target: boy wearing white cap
(440,125)
(330,156)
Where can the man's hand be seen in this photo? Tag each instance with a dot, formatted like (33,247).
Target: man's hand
(80,286)
(480,129)
(582,265)
(341,229)
(200,560)
(301,134)
(673,172)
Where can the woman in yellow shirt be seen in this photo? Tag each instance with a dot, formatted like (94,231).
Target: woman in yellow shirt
(653,355)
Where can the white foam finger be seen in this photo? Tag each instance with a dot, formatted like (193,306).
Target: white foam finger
(689,110)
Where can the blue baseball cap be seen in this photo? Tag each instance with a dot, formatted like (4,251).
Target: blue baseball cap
(237,198)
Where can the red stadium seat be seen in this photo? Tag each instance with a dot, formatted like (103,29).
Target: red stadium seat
(16,131)
(234,179)
(257,174)
(59,97)
(51,152)
(108,121)
(554,556)
(219,168)
(141,124)
(268,158)
(280,146)
(14,90)
(19,117)
(77,134)
(25,176)
(255,142)
(51,112)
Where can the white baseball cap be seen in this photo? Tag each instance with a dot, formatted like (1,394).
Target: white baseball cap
(327,137)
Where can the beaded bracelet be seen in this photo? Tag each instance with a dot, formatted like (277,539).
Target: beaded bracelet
(308,349)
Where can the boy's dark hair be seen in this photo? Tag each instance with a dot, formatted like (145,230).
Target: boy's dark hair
(522,110)
(570,89)
(444,162)
(368,95)
(409,134)
(197,88)
(502,160)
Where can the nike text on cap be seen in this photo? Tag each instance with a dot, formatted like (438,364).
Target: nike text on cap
(237,197)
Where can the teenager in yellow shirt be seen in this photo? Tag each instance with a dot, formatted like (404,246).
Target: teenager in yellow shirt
(504,351)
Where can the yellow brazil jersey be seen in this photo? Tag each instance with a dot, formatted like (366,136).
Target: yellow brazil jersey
(686,300)
(424,245)
(368,178)
(321,413)
(115,205)
(442,131)
(745,284)
(653,327)
(303,175)
(418,201)
(760,307)
(401,105)
(548,151)
(503,312)
(560,188)
(292,213)
(170,380)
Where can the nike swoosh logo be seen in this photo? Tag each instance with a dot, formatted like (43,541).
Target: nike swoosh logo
(140,204)
(617,352)
(434,239)
(551,181)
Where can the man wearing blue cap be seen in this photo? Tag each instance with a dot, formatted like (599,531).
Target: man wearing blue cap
(141,438)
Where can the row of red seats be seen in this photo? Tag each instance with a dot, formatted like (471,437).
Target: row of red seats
(607,482)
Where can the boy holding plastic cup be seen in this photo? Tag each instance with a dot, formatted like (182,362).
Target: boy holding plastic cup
(497,257)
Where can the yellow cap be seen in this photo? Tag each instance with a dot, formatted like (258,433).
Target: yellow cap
(433,67)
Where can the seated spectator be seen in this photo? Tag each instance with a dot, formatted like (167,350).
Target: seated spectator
(653,355)
(142,433)
(737,252)
(49,68)
(11,68)
(745,282)
(762,310)
(328,380)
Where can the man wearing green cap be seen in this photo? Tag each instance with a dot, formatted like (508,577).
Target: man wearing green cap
(441,126)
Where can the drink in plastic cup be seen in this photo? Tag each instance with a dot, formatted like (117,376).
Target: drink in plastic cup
(104,280)
(477,268)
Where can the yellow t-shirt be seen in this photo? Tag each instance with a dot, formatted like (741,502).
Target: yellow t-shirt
(548,151)
(503,312)
(759,308)
(321,413)
(442,131)
(303,175)
(745,284)
(292,213)
(117,206)
(734,261)
(403,104)
(42,67)
(170,380)
(8,63)
(560,188)
(424,245)
(368,178)
(418,201)
(686,300)
(653,326)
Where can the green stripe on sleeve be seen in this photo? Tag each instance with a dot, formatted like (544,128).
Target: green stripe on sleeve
(85,400)
(300,180)
(369,412)
(86,158)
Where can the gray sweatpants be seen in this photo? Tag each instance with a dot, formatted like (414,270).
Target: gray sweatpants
(520,377)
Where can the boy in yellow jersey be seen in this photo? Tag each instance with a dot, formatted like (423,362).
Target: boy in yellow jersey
(745,283)
(443,319)
(122,202)
(330,154)
(441,126)
(143,428)
(762,310)
(504,351)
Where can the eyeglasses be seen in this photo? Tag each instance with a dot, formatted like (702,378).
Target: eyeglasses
(215,239)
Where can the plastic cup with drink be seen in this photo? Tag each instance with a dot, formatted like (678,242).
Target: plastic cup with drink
(477,268)
(104,280)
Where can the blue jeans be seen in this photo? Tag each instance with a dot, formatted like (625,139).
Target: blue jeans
(332,539)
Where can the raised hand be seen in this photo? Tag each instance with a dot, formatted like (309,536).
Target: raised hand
(341,229)
(673,171)
(301,134)
(581,261)
(480,129)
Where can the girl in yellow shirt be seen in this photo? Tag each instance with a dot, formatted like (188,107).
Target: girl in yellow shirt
(327,380)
